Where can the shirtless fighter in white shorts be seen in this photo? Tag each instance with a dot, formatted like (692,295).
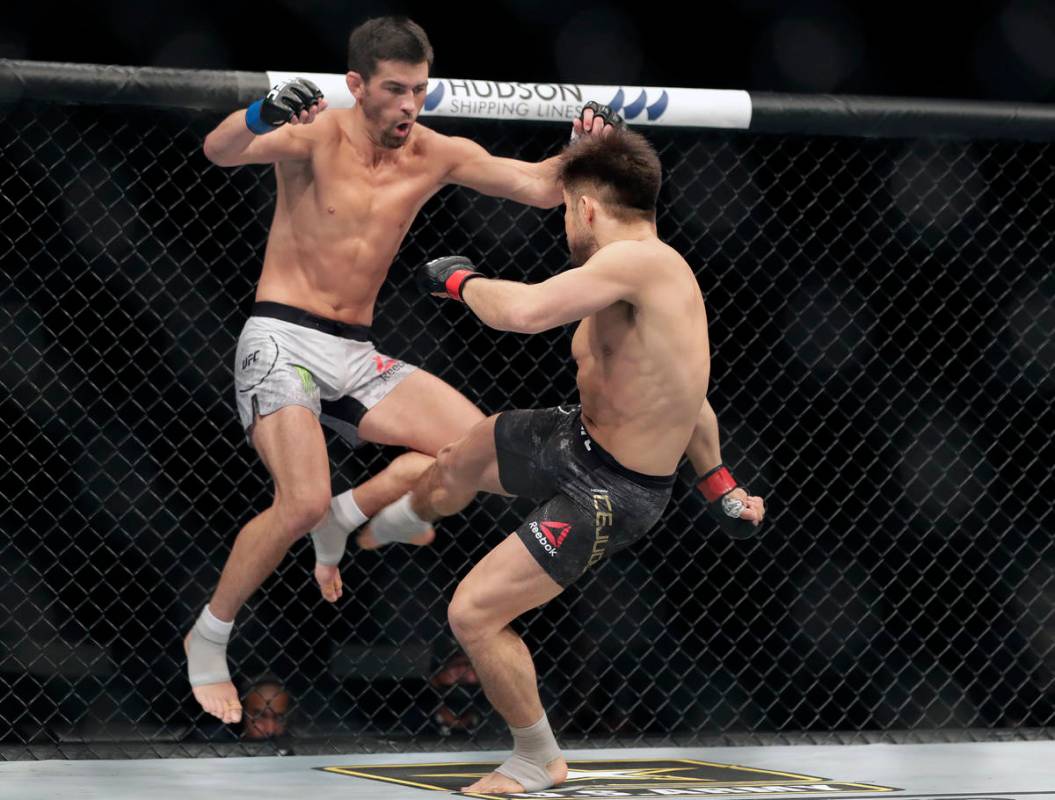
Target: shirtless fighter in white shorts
(350,182)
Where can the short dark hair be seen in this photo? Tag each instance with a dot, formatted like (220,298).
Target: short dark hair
(387,39)
(622,167)
(266,679)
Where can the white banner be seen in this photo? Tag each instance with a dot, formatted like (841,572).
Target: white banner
(557,102)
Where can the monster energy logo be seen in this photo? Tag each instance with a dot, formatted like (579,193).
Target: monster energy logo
(306,380)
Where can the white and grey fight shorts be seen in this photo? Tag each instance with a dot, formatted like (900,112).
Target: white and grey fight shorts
(290,357)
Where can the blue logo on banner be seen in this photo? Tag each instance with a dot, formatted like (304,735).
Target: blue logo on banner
(631,110)
(435,97)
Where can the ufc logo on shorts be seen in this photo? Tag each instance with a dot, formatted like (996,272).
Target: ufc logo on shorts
(250,359)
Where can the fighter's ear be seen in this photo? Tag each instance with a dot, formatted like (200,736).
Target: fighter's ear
(587,207)
(356,85)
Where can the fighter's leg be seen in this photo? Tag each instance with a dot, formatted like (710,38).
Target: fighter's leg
(507,582)
(504,454)
(460,471)
(351,509)
(420,412)
(426,414)
(291,444)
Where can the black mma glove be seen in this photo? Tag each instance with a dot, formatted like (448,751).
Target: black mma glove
(604,112)
(716,486)
(284,102)
(447,275)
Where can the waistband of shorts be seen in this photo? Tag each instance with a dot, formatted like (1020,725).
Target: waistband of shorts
(298,316)
(606,458)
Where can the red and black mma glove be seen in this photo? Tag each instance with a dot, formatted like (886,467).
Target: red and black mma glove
(447,276)
(716,485)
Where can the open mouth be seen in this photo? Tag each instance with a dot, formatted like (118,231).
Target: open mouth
(403,128)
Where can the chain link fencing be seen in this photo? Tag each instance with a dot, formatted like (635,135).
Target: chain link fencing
(883,336)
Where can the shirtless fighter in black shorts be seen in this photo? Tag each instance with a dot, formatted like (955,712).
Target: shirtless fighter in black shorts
(602,471)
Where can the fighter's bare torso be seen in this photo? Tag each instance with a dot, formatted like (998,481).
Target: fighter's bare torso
(341,215)
(643,367)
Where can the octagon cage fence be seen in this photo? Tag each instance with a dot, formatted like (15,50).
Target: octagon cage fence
(878,276)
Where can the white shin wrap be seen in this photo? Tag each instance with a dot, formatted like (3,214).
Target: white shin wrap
(397,523)
(330,536)
(533,748)
(207,650)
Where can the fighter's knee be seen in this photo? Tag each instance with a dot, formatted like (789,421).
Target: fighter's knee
(410,466)
(301,509)
(464,617)
(464,459)
(449,462)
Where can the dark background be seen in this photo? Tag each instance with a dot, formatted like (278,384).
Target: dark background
(985,50)
(881,322)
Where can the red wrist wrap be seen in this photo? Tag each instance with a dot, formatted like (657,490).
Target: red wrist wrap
(717,482)
(456,281)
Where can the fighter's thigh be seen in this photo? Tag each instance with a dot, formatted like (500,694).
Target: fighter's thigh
(505,583)
(278,365)
(291,444)
(563,535)
(422,413)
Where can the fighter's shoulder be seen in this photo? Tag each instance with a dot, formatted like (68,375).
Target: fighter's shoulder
(661,256)
(326,129)
(636,256)
(650,269)
(444,147)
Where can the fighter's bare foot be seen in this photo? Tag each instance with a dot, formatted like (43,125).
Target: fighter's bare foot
(366,540)
(329,579)
(218,699)
(497,783)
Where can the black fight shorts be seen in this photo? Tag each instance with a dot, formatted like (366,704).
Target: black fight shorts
(590,505)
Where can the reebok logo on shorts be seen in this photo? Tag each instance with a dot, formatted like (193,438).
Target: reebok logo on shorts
(550,535)
(556,532)
(386,367)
